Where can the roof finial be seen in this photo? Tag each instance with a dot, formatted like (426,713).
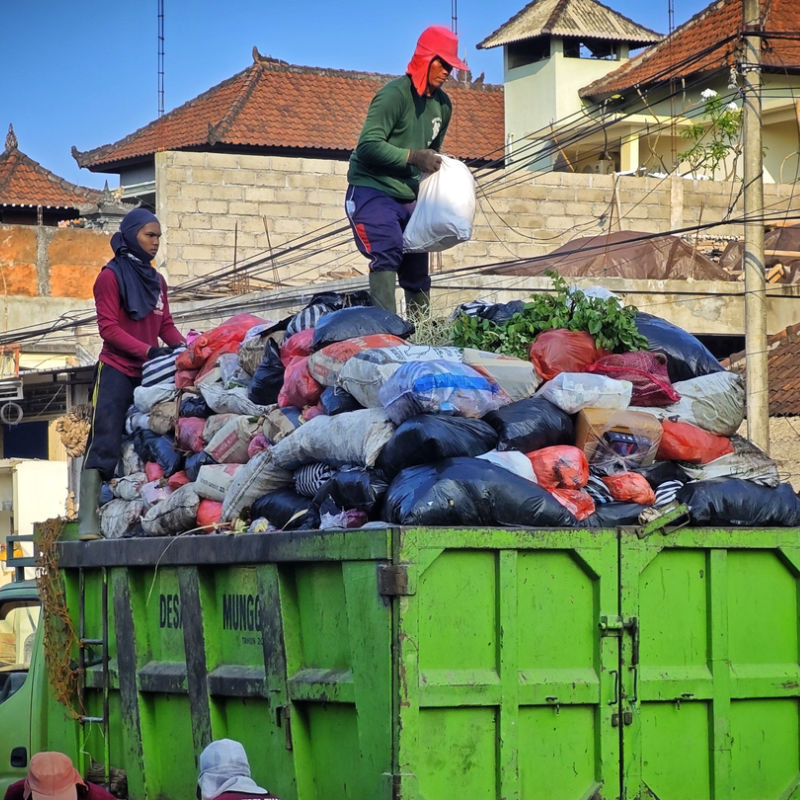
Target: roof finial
(11,139)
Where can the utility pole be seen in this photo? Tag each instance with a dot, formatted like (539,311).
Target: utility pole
(755,305)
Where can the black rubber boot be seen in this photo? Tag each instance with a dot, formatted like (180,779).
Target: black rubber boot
(381,290)
(88,519)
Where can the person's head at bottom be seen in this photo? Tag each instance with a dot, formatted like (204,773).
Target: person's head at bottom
(224,768)
(51,776)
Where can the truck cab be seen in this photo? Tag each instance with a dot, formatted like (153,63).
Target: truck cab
(20,612)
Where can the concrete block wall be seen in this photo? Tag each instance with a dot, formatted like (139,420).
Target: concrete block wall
(42,261)
(213,208)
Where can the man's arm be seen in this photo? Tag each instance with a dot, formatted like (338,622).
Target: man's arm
(374,149)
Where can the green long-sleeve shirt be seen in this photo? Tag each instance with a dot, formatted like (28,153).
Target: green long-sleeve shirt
(398,120)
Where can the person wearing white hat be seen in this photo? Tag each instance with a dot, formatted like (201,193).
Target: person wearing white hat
(225,774)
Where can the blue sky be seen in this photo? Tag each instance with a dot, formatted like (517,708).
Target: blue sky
(85,72)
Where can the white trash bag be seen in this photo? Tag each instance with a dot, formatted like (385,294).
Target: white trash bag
(445,207)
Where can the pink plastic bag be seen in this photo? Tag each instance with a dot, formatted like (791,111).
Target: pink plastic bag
(297,346)
(189,434)
(299,388)
(647,371)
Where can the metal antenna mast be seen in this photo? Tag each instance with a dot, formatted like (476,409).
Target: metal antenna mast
(454,16)
(161,57)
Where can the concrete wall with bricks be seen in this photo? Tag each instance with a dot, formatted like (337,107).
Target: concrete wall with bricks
(221,208)
(47,271)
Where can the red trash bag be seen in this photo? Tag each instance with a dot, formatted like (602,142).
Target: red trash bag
(630,487)
(561,466)
(297,345)
(177,479)
(209,512)
(647,371)
(204,351)
(153,471)
(681,441)
(561,350)
(189,434)
(299,388)
(578,502)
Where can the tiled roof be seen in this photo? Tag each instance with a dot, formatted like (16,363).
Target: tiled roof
(283,108)
(783,365)
(707,43)
(25,182)
(585,18)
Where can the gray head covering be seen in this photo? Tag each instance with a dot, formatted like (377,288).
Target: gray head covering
(224,768)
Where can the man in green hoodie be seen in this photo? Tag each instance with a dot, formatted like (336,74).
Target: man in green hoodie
(401,138)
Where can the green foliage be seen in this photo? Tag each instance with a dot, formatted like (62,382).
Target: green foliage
(713,140)
(612,324)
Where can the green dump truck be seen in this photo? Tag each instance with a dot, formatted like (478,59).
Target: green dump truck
(432,664)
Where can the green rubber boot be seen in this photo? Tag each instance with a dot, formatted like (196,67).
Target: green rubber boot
(381,290)
(418,305)
(88,519)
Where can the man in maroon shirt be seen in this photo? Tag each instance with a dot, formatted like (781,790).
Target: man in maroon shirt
(132,314)
(51,776)
(225,774)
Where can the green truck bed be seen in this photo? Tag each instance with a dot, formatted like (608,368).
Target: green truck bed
(432,664)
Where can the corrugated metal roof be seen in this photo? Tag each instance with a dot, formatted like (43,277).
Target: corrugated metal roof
(586,19)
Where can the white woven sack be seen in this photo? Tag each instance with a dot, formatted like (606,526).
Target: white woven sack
(445,207)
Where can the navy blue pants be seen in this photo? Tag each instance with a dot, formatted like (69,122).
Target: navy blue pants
(111,396)
(378,221)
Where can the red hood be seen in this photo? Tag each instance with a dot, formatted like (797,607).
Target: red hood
(434,41)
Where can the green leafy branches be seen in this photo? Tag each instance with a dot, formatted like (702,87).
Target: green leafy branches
(715,138)
(610,323)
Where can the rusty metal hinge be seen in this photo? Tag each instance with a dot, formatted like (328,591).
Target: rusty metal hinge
(394,580)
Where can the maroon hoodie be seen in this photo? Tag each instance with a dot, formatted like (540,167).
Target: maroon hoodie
(125,340)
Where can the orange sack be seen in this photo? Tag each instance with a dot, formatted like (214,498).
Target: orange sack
(579,503)
(561,466)
(681,441)
(630,487)
(561,350)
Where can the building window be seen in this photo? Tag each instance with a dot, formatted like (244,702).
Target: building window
(603,49)
(528,52)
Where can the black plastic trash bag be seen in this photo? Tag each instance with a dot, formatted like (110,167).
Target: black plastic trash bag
(150,446)
(268,378)
(612,515)
(661,471)
(471,491)
(732,501)
(427,438)
(348,323)
(499,313)
(354,487)
(531,424)
(336,401)
(286,510)
(193,463)
(687,356)
(193,405)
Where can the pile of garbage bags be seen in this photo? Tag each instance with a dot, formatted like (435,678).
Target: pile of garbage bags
(332,419)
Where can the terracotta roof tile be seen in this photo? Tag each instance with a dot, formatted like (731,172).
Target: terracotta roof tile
(282,107)
(25,182)
(707,43)
(783,366)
